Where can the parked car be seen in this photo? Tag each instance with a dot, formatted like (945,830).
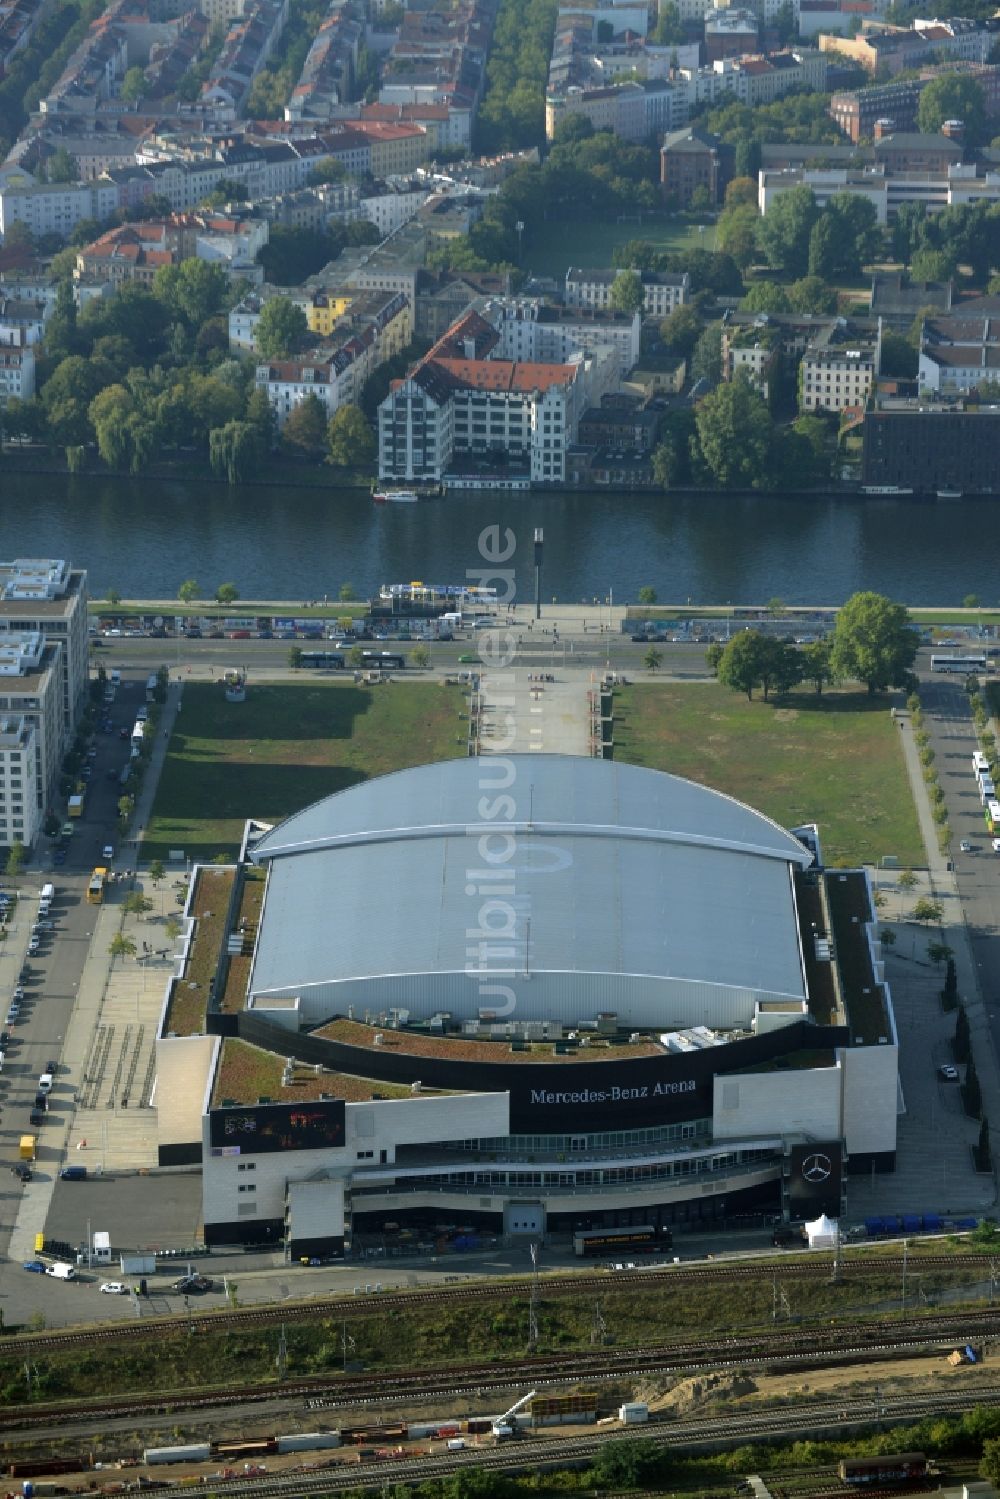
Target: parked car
(21,1170)
(35,1266)
(114,1288)
(196,1283)
(948,1072)
(965,846)
(108,851)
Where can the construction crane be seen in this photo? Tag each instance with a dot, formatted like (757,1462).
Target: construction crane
(502,1421)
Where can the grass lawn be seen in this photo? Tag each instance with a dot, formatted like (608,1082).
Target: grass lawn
(557,244)
(832,760)
(286,746)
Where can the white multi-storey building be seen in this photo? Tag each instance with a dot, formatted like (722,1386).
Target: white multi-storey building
(662,291)
(53,208)
(530,330)
(17,375)
(20,804)
(462,405)
(30,681)
(838,369)
(49,597)
(961,352)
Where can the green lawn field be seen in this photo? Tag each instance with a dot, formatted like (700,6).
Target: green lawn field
(832,760)
(558,244)
(286,746)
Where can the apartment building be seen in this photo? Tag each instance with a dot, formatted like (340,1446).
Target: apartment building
(21,811)
(692,159)
(930,444)
(327,77)
(374,328)
(49,598)
(839,366)
(31,673)
(960,351)
(461,407)
(52,208)
(17,375)
(662,291)
(532,332)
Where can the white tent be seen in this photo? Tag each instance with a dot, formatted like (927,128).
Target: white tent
(822,1233)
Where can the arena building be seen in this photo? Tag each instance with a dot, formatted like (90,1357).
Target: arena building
(533,995)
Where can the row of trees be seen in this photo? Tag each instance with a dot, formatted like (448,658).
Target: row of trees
(872,642)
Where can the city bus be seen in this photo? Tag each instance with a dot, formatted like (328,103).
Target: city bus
(385,660)
(333,659)
(95,886)
(968,665)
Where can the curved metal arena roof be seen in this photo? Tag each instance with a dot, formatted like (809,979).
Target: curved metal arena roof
(602,886)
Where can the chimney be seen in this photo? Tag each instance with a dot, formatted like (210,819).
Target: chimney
(883,128)
(954,130)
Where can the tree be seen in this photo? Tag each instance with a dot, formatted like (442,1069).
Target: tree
(972,1096)
(734,430)
(816,664)
(113,597)
(932,265)
(681,330)
(783,233)
(67,395)
(647,595)
(350,440)
(899,357)
(420,657)
(233,450)
(355,658)
(652,659)
(295,657)
(766,296)
(736,233)
(713,655)
(953,96)
(906,879)
(741,663)
(984,1159)
(706,361)
(962,1044)
(626,292)
(927,910)
(227,593)
(172,927)
(137,904)
(305,427)
(189,591)
(134,86)
(873,642)
(811,294)
(326,170)
(623,1464)
(121,946)
(741,192)
(280,328)
(194,291)
(15,859)
(157,871)
(62,167)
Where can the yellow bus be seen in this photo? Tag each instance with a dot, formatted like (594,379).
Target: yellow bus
(95,889)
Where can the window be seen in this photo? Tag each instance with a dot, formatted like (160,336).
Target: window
(251,1187)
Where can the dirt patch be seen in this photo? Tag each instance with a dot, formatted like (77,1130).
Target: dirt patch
(786,715)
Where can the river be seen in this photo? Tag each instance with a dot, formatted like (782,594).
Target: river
(144,538)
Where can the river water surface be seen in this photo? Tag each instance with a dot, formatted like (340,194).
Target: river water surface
(145,537)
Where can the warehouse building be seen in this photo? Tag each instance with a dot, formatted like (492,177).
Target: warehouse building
(533,995)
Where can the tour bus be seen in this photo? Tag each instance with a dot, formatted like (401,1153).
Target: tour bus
(987,790)
(95,886)
(967,665)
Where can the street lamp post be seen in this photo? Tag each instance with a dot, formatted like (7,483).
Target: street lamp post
(539,542)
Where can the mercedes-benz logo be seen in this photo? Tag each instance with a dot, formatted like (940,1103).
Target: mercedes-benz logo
(816,1167)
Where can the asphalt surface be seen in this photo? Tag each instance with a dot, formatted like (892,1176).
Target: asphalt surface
(590,652)
(953,738)
(52,976)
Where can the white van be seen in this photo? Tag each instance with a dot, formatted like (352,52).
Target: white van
(47,893)
(61,1272)
(45,1083)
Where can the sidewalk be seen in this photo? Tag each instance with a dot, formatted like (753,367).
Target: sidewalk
(934,1168)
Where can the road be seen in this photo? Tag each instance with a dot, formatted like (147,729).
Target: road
(52,977)
(591,652)
(953,740)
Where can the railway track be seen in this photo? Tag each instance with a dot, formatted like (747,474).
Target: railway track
(848,1344)
(691,1433)
(350,1306)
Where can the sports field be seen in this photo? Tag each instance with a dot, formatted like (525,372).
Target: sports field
(558,244)
(833,760)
